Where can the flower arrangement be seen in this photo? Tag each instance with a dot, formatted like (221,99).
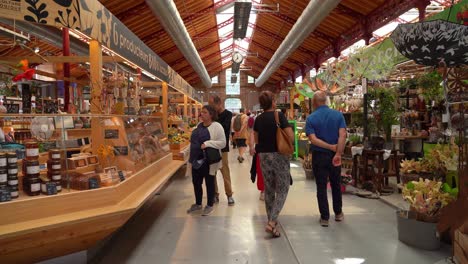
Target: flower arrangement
(441,158)
(427,197)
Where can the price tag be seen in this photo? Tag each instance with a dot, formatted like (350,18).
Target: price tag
(51,188)
(93,183)
(121,150)
(121,176)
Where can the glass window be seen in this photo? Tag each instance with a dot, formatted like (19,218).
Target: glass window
(250,79)
(299,79)
(233,104)
(232,88)
(215,79)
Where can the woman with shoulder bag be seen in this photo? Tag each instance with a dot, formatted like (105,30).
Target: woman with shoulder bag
(208,137)
(274,165)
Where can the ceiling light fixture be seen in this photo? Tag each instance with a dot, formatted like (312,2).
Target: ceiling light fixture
(242,10)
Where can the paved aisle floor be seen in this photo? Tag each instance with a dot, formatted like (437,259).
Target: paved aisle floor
(162,232)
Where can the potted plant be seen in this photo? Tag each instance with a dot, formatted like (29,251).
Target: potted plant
(384,110)
(417,227)
(431,86)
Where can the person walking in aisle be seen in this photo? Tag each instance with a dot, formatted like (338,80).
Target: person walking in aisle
(233,141)
(274,166)
(240,133)
(224,118)
(326,129)
(256,169)
(208,134)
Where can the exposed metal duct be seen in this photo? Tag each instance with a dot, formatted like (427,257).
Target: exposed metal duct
(311,17)
(49,34)
(170,19)
(53,36)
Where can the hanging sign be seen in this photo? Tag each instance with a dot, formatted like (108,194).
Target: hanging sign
(94,20)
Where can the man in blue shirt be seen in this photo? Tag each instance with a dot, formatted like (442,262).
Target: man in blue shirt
(326,129)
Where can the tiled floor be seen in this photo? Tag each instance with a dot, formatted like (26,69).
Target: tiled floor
(161,232)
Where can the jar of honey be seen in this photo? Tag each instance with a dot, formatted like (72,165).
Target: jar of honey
(3,176)
(32,167)
(58,183)
(32,150)
(12,180)
(54,154)
(55,175)
(12,169)
(32,185)
(3,159)
(14,193)
(11,158)
(54,164)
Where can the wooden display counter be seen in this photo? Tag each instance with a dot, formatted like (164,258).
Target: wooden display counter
(44,227)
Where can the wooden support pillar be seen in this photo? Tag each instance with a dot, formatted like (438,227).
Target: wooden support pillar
(190,107)
(95,73)
(185,106)
(196,112)
(165,106)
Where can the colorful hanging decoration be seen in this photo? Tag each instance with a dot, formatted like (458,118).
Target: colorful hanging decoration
(27,73)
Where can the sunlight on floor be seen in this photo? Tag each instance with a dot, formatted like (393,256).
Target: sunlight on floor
(350,261)
(293,165)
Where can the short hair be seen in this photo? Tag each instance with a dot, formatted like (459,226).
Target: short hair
(211,111)
(266,100)
(248,113)
(216,99)
(320,97)
(241,110)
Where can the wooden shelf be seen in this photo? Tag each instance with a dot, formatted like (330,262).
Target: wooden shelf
(19,116)
(43,227)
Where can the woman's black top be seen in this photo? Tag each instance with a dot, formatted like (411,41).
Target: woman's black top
(265,126)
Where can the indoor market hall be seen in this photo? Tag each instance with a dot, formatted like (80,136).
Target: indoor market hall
(162,231)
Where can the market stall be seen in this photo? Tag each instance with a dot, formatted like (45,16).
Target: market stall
(79,162)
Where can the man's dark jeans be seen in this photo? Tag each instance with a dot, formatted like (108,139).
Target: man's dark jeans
(324,170)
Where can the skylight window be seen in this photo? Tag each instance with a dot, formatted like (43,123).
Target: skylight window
(223,14)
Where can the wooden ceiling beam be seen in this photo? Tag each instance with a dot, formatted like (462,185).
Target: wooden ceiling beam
(60,59)
(204,33)
(271,50)
(265,32)
(188,18)
(182,59)
(342,9)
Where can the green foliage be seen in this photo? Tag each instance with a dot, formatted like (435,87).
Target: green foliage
(355,139)
(370,63)
(431,85)
(357,119)
(408,84)
(384,110)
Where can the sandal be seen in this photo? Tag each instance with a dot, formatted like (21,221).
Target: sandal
(272,229)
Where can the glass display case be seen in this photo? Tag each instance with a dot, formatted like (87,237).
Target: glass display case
(303,141)
(52,156)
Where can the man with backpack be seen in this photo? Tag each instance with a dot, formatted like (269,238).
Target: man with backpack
(241,133)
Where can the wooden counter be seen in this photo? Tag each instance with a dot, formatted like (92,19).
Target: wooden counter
(44,227)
